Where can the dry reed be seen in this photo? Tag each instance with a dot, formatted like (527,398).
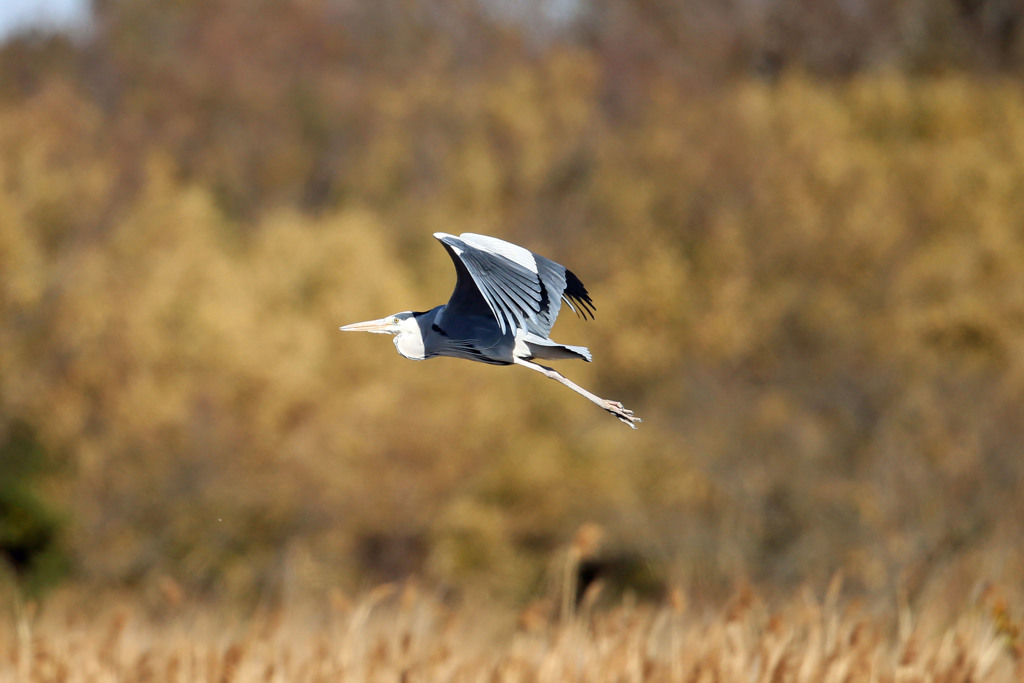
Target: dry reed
(406,635)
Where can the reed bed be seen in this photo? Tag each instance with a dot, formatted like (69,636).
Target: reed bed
(402,634)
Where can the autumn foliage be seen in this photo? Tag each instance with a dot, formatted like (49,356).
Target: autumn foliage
(808,266)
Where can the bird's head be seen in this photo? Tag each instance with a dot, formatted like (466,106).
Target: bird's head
(392,324)
(408,339)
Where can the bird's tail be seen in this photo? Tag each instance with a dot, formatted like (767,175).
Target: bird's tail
(551,350)
(581,351)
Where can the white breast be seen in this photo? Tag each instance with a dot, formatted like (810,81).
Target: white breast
(410,345)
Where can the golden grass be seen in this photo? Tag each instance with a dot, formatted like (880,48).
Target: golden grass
(399,633)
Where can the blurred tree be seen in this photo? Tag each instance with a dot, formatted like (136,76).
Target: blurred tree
(30,531)
(817,267)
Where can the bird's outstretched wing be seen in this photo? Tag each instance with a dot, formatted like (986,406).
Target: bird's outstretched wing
(520,289)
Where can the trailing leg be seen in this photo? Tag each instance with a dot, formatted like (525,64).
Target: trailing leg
(614,407)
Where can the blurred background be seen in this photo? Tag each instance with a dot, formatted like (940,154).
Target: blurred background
(802,222)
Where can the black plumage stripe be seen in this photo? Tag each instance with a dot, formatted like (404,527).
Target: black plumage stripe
(545,300)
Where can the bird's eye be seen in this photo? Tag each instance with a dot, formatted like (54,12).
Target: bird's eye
(394,320)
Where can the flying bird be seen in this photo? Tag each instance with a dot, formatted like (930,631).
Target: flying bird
(505,301)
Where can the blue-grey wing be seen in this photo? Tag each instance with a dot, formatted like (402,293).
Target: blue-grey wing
(519,289)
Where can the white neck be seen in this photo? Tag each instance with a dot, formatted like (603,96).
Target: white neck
(409,341)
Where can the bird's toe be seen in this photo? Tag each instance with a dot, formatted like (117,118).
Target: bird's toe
(625,415)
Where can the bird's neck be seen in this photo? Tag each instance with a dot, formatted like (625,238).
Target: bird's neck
(410,345)
(410,341)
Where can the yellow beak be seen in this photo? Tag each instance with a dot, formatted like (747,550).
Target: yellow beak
(381,326)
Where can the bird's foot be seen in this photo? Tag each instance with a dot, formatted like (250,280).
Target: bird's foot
(625,415)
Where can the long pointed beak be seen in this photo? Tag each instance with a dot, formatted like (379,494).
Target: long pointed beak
(380,326)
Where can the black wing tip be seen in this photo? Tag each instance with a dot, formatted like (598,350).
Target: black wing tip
(576,293)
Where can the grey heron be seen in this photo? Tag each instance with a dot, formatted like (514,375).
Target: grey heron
(505,301)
